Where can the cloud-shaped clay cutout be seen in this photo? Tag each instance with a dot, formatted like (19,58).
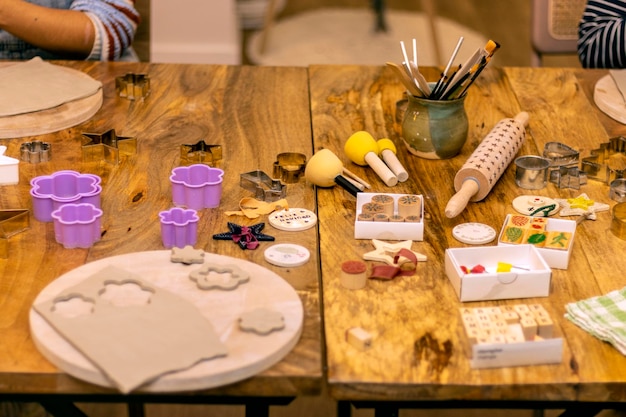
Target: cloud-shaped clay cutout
(72,306)
(261,321)
(125,293)
(224,277)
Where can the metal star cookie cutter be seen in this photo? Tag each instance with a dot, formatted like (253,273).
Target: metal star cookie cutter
(35,151)
(263,187)
(107,147)
(200,153)
(289,166)
(608,162)
(566,177)
(133,86)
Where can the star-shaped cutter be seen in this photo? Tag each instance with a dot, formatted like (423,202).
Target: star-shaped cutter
(107,147)
(598,165)
(247,237)
(200,153)
(385,252)
(133,86)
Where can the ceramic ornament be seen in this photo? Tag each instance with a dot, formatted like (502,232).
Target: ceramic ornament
(487,163)
(132,331)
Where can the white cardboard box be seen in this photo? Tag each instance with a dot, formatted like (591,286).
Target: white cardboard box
(555,258)
(387,230)
(492,285)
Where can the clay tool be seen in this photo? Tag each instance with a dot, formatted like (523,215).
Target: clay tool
(406,79)
(489,160)
(351,175)
(324,169)
(363,150)
(388,153)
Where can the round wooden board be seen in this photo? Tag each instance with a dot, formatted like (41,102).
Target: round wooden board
(248,353)
(51,120)
(609,99)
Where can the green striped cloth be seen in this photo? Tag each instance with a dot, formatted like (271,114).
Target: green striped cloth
(603,316)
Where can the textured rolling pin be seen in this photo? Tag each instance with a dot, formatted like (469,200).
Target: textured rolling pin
(487,163)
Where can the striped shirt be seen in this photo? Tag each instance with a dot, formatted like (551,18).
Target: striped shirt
(602,34)
(115,23)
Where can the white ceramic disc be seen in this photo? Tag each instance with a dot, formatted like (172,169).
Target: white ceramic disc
(287,255)
(293,219)
(536,205)
(474,233)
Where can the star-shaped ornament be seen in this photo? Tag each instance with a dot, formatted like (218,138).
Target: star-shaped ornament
(581,205)
(247,237)
(386,252)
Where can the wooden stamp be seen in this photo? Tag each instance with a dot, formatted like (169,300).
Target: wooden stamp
(359,338)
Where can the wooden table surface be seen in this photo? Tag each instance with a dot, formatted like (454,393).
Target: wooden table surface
(254,114)
(417,349)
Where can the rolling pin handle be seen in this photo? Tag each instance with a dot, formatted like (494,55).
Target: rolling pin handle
(459,201)
(522,118)
(382,170)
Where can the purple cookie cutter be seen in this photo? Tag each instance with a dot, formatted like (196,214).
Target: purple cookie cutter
(49,192)
(197,186)
(179,227)
(77,225)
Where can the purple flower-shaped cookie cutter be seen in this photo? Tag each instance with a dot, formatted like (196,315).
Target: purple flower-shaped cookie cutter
(49,192)
(197,186)
(179,227)
(77,225)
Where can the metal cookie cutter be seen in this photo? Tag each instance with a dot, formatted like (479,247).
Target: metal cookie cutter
(133,86)
(608,162)
(12,222)
(289,167)
(617,191)
(35,151)
(565,177)
(531,172)
(264,187)
(560,154)
(200,153)
(107,147)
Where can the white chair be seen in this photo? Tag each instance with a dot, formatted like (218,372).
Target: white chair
(554,25)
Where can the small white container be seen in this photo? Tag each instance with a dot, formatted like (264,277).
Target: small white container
(9,172)
(387,230)
(555,258)
(492,285)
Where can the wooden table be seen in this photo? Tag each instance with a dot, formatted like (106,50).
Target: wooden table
(417,357)
(254,114)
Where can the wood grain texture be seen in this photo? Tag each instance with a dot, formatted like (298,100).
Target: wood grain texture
(254,114)
(417,347)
